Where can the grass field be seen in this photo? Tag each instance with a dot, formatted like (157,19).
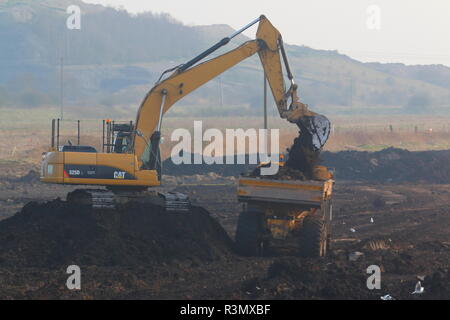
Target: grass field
(26,133)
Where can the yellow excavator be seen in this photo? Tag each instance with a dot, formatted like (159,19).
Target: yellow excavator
(133,163)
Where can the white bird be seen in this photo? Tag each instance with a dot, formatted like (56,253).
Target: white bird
(371,220)
(355,255)
(353,230)
(387,297)
(419,289)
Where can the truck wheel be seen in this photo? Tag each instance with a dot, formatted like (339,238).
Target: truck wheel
(250,234)
(313,239)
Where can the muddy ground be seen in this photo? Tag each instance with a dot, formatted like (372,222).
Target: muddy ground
(132,254)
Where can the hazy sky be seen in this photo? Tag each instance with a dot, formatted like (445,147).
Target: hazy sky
(410,31)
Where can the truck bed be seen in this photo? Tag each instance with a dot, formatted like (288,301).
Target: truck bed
(310,193)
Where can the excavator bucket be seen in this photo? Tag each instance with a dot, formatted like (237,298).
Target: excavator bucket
(316,128)
(305,151)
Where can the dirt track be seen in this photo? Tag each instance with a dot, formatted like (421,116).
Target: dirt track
(409,237)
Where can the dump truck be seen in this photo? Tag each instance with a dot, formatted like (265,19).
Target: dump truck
(282,209)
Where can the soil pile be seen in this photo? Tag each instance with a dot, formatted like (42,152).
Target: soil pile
(57,234)
(391,165)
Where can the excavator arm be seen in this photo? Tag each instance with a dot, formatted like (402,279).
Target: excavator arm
(165,94)
(190,76)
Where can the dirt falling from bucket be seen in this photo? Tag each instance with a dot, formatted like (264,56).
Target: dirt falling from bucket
(302,157)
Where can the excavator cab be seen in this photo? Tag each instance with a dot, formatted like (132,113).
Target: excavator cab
(122,142)
(117,136)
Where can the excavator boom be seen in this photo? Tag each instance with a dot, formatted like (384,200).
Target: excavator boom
(190,76)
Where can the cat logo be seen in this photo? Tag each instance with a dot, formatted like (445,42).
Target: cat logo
(119,175)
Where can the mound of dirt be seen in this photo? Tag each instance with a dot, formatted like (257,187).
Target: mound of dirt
(391,165)
(57,234)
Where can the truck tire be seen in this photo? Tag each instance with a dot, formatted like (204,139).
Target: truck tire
(313,237)
(250,234)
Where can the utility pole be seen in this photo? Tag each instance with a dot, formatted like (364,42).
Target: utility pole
(61,87)
(63,52)
(265,101)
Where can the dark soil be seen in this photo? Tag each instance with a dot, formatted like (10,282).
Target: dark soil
(294,278)
(302,158)
(390,165)
(142,252)
(284,173)
(387,166)
(56,234)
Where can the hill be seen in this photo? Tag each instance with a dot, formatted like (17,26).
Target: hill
(116,57)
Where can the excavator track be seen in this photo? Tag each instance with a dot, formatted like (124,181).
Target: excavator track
(97,198)
(103,200)
(176,202)
(107,200)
